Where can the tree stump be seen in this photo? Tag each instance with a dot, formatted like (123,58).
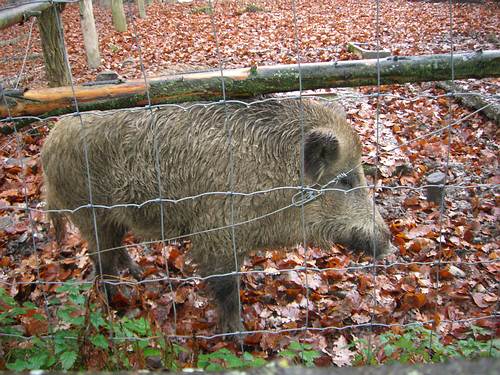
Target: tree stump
(435,193)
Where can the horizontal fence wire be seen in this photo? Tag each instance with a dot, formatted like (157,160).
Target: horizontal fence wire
(490,186)
(275,331)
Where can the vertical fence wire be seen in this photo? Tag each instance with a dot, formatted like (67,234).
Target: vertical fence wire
(25,57)
(157,166)
(229,131)
(448,135)
(302,162)
(375,179)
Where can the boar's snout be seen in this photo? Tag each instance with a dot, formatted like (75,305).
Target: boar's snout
(351,223)
(371,239)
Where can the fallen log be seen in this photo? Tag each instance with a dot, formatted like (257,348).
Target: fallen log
(489,108)
(247,82)
(20,13)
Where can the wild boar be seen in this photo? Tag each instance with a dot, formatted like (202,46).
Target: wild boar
(138,156)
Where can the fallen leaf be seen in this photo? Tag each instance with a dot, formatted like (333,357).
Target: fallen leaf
(341,354)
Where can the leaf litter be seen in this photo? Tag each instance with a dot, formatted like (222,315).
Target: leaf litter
(437,273)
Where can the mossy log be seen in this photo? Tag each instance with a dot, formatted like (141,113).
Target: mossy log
(248,82)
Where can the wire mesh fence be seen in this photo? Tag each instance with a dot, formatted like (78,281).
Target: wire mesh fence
(427,253)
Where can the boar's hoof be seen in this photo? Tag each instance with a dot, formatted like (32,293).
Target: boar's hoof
(135,271)
(231,325)
(132,267)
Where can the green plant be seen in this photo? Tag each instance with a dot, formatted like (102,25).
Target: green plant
(225,359)
(253,8)
(300,353)
(365,354)
(250,8)
(114,48)
(419,344)
(81,337)
(472,348)
(57,351)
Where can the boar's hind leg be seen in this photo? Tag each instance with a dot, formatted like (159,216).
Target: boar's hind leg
(225,292)
(212,261)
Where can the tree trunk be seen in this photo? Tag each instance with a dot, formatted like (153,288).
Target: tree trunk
(249,82)
(142,8)
(90,37)
(118,14)
(53,47)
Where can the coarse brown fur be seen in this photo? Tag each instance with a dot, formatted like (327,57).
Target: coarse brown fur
(195,157)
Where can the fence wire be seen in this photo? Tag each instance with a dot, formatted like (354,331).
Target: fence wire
(277,331)
(306,193)
(377,162)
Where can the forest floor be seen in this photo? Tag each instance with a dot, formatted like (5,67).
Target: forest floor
(446,269)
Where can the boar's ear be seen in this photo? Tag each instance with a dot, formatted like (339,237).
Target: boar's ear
(320,149)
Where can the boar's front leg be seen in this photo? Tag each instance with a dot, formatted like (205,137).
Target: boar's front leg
(107,235)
